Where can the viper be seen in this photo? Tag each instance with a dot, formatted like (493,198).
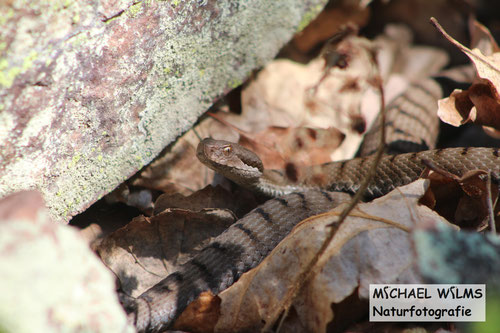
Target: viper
(246,243)
(299,193)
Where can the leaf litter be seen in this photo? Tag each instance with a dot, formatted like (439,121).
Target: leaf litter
(281,120)
(480,103)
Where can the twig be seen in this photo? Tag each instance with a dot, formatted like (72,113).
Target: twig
(306,273)
(489,204)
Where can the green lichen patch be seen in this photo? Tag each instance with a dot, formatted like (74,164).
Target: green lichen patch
(9,73)
(134,10)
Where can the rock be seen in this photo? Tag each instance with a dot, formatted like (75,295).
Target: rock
(51,280)
(91,91)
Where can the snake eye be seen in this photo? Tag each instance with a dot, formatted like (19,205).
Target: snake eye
(227,150)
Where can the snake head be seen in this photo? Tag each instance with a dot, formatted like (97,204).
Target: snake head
(231,160)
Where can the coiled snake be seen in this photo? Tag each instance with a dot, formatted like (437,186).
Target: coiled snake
(301,193)
(246,243)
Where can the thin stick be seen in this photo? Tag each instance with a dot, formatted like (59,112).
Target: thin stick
(306,273)
(489,203)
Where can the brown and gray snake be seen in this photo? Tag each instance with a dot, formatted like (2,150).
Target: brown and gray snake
(313,190)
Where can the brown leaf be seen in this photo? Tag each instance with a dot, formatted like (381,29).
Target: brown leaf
(373,245)
(483,95)
(201,315)
(148,249)
(461,200)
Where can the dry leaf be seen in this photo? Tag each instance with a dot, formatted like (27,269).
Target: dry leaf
(148,249)
(373,245)
(201,315)
(278,146)
(461,200)
(308,98)
(481,102)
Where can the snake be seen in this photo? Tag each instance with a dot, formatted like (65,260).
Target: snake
(298,193)
(246,243)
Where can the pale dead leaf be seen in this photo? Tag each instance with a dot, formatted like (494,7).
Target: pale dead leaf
(292,102)
(454,110)
(148,249)
(278,146)
(373,245)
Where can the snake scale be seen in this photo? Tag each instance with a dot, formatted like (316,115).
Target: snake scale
(298,194)
(246,243)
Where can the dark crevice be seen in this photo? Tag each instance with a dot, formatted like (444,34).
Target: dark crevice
(107,19)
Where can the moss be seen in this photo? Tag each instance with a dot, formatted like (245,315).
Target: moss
(309,16)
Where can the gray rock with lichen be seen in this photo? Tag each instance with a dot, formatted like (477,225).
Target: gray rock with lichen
(91,91)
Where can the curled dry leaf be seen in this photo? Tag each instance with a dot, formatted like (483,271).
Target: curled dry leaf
(310,96)
(373,245)
(481,102)
(148,249)
(461,200)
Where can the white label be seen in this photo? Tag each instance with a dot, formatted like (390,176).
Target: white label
(427,302)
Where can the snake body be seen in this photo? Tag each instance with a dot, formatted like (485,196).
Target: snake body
(303,193)
(411,125)
(245,168)
(238,249)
